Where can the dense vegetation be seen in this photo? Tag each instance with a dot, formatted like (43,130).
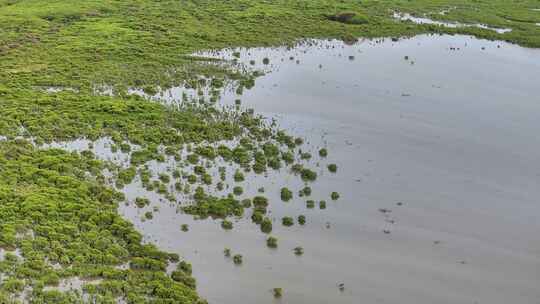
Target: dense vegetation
(64,225)
(58,212)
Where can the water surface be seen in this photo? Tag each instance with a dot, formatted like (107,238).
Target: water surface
(437,144)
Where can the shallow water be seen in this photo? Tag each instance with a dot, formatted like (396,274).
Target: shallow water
(424,20)
(452,136)
(445,143)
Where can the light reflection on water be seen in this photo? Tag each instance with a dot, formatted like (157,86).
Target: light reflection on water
(424,20)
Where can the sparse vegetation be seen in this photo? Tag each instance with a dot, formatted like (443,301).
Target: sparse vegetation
(271,242)
(286,194)
(332,168)
(237,259)
(287,221)
(266,225)
(278,292)
(227,225)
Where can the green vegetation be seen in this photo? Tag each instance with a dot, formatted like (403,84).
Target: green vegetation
(278,292)
(305,155)
(164,178)
(302,219)
(227,252)
(306,191)
(266,225)
(182,274)
(238,176)
(272,242)
(323,152)
(332,168)
(185,227)
(238,190)
(308,175)
(310,204)
(298,250)
(287,221)
(237,259)
(246,203)
(55,214)
(322,205)
(142,202)
(227,225)
(334,196)
(286,194)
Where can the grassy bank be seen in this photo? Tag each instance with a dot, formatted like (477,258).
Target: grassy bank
(81,43)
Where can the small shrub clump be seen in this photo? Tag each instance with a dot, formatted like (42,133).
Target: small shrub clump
(227,225)
(141,202)
(308,175)
(238,176)
(306,191)
(238,190)
(286,194)
(271,242)
(266,225)
(278,292)
(148,215)
(332,168)
(287,221)
(237,259)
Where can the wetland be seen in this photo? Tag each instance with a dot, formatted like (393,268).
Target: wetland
(257,152)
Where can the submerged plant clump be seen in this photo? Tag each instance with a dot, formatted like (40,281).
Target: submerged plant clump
(227,225)
(266,225)
(287,221)
(272,242)
(332,168)
(278,292)
(238,259)
(286,194)
(298,251)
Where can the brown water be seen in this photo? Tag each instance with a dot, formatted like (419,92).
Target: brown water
(447,140)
